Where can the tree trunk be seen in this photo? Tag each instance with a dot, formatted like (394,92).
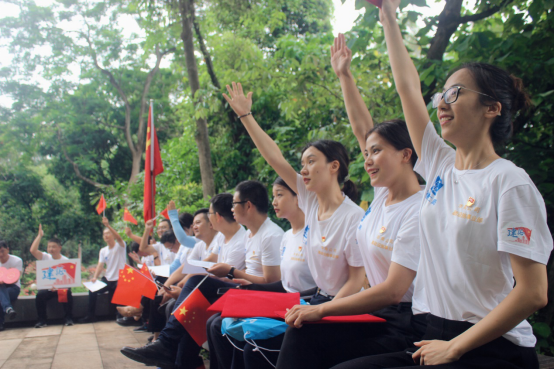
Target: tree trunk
(186,8)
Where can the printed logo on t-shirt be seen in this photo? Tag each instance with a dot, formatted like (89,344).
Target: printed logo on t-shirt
(431,195)
(363,218)
(519,234)
(323,239)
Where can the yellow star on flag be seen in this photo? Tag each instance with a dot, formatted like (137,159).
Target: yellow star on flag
(184,311)
(72,266)
(130,270)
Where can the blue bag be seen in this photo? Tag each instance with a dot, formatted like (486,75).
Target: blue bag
(254,328)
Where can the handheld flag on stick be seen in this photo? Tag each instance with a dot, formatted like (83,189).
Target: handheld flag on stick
(165,214)
(131,286)
(101,207)
(193,314)
(127,216)
(152,168)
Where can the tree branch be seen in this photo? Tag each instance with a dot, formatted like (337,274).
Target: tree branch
(204,50)
(484,14)
(76,167)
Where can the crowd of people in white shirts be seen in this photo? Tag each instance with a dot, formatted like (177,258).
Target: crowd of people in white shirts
(442,259)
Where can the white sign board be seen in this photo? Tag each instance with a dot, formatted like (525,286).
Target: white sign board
(58,273)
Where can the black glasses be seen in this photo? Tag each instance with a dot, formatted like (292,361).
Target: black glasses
(451,95)
(242,202)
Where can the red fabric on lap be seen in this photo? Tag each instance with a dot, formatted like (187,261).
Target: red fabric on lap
(257,304)
(340,319)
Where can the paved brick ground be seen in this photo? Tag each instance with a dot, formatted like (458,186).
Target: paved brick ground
(87,346)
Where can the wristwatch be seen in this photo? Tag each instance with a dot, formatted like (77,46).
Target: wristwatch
(231,273)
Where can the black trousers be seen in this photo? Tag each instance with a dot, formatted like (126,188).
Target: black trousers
(326,345)
(92,296)
(247,357)
(499,353)
(43,296)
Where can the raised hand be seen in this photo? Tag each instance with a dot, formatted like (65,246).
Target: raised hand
(341,56)
(388,9)
(105,221)
(134,257)
(128,231)
(171,205)
(40,232)
(241,104)
(149,224)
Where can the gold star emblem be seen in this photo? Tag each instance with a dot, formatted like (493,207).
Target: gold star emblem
(382,230)
(470,202)
(130,270)
(72,267)
(184,311)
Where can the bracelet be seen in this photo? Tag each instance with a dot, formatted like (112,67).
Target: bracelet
(244,115)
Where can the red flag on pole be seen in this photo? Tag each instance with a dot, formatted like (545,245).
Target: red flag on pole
(127,216)
(165,214)
(193,314)
(101,205)
(131,286)
(146,272)
(152,168)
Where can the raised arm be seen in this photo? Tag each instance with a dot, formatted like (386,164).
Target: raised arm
(268,148)
(132,236)
(116,235)
(405,75)
(36,243)
(180,234)
(144,246)
(358,114)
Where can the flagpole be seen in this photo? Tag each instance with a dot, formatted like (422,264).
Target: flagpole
(152,147)
(196,287)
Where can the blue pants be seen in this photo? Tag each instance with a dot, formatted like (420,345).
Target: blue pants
(174,335)
(8,294)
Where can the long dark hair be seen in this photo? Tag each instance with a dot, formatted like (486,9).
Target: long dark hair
(506,89)
(335,151)
(395,132)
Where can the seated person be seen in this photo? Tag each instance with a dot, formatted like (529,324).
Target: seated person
(113,256)
(54,248)
(143,258)
(166,256)
(8,292)
(250,203)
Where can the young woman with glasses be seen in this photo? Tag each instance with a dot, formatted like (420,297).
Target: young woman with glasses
(482,223)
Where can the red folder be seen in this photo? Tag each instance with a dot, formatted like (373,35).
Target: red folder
(244,303)
(339,319)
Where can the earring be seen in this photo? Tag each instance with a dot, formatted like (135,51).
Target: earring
(499,114)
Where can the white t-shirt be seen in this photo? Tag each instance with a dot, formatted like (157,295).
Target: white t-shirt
(471,221)
(166,256)
(14,262)
(184,253)
(114,259)
(295,272)
(263,248)
(147,260)
(200,252)
(330,244)
(48,257)
(390,234)
(233,253)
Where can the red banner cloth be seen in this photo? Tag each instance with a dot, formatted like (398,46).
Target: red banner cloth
(101,205)
(150,172)
(250,303)
(365,318)
(193,314)
(127,216)
(62,295)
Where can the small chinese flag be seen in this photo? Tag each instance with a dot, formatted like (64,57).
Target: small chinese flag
(101,205)
(131,286)
(193,315)
(68,267)
(146,272)
(377,3)
(127,216)
(62,295)
(165,214)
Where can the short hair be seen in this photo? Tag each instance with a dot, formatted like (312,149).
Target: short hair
(205,211)
(168,237)
(55,240)
(256,193)
(3,244)
(222,204)
(185,219)
(168,222)
(135,247)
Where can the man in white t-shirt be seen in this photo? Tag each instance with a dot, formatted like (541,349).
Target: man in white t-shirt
(8,292)
(54,252)
(113,256)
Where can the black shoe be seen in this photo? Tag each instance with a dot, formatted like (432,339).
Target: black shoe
(87,320)
(128,321)
(10,313)
(68,321)
(141,329)
(40,324)
(154,354)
